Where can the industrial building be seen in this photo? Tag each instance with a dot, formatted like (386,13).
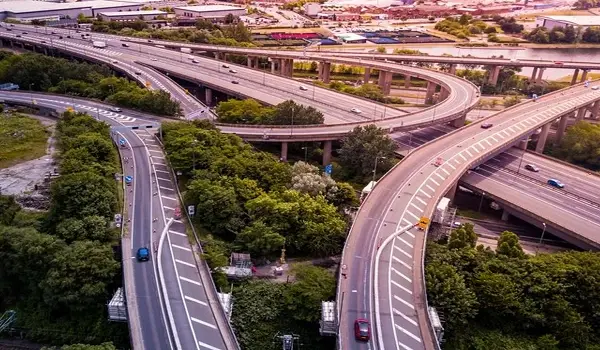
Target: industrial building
(125,16)
(580,22)
(351,38)
(42,10)
(211,12)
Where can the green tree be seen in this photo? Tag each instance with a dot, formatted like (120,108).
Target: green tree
(511,101)
(463,237)
(581,145)
(92,228)
(103,346)
(8,209)
(79,276)
(260,239)
(312,285)
(362,146)
(242,111)
(291,113)
(591,35)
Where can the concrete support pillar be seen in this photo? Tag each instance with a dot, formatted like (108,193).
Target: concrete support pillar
(385,82)
(407,81)
(208,96)
(324,72)
(541,142)
(580,114)
(540,75)
(218,56)
(287,69)
(505,215)
(533,74)
(452,69)
(250,62)
(284,151)
(523,144)
(431,87)
(327,145)
(273,66)
(594,110)
(367,77)
(460,122)
(452,192)
(562,125)
(444,94)
(584,75)
(493,75)
(575,76)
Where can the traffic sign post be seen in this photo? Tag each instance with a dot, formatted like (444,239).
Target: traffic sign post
(191,210)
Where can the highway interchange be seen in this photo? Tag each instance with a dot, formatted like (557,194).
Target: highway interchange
(402,196)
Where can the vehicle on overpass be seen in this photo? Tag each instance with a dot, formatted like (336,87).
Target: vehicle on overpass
(556,183)
(99,44)
(143,254)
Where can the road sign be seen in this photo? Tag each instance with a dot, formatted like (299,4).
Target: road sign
(191,210)
(328,169)
(423,223)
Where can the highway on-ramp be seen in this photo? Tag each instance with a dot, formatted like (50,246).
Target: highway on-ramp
(393,297)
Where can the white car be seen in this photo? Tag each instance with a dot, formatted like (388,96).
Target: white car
(232,71)
(595,87)
(154,59)
(195,61)
(303,88)
(115,109)
(356,110)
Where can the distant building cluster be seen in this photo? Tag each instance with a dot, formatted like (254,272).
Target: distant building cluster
(110,10)
(579,22)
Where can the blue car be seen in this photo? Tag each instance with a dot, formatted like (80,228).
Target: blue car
(555,183)
(143,254)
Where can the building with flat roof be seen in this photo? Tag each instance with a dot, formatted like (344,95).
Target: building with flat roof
(212,12)
(124,16)
(27,10)
(351,38)
(563,21)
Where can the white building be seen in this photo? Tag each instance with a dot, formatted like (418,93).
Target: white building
(312,9)
(212,12)
(41,9)
(124,16)
(563,21)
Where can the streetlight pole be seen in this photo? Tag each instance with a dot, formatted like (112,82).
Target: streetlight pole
(375,167)
(305,153)
(541,238)
(521,162)
(481,201)
(292,128)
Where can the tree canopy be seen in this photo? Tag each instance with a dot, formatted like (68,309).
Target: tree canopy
(251,112)
(361,147)
(548,301)
(580,145)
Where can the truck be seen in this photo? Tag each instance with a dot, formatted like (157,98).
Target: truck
(99,44)
(441,210)
(186,50)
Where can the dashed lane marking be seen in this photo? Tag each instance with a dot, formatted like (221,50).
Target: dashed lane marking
(404,302)
(184,263)
(405,242)
(204,323)
(402,275)
(189,281)
(402,262)
(410,320)
(408,333)
(171,198)
(400,286)
(195,300)
(180,247)
(209,347)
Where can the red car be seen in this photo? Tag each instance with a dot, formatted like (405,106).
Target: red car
(362,330)
(558,62)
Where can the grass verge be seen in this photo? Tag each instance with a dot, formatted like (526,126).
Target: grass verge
(22,138)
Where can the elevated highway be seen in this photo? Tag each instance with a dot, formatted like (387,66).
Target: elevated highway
(413,186)
(393,295)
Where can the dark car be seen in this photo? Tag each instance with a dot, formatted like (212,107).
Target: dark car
(143,254)
(362,330)
(235,82)
(556,183)
(125,45)
(532,167)
(68,36)
(486,125)
(24,32)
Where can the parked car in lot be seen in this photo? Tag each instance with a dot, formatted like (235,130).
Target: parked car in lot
(556,183)
(532,167)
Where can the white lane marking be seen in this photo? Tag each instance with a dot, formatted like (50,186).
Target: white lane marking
(500,136)
(404,346)
(204,323)
(469,153)
(475,149)
(402,262)
(440,176)
(488,142)
(177,233)
(210,347)
(403,252)
(162,171)
(452,166)
(493,138)
(413,215)
(400,286)
(161,178)
(190,281)
(425,193)
(446,171)
(195,300)
(435,182)
(413,322)
(456,161)
(404,302)
(414,205)
(431,188)
(408,333)
(420,200)
(180,247)
(164,206)
(405,242)
(170,198)
(403,276)
(153,150)
(407,222)
(166,188)
(184,263)
(462,156)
